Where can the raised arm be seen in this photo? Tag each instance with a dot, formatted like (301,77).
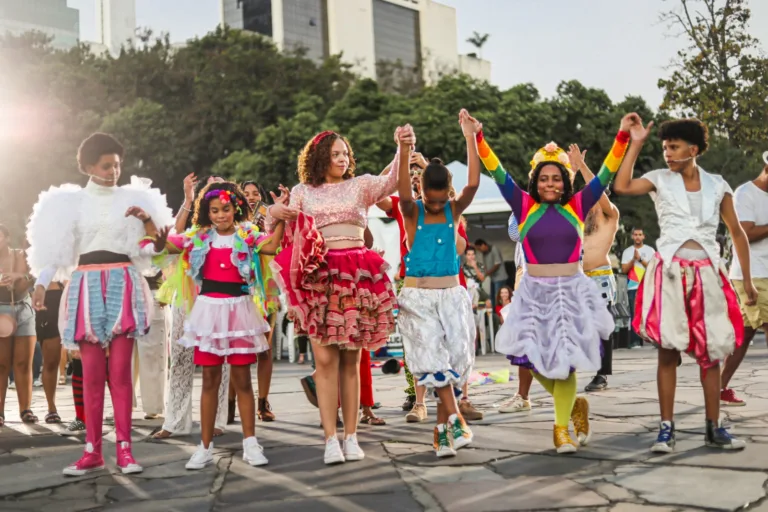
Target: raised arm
(579,163)
(625,185)
(590,194)
(470,127)
(512,194)
(404,190)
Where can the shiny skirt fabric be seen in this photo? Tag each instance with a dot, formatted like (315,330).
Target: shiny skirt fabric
(438,331)
(689,306)
(554,325)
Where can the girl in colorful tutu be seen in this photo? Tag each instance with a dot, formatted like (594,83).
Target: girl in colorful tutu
(337,290)
(90,236)
(435,318)
(221,252)
(559,315)
(700,311)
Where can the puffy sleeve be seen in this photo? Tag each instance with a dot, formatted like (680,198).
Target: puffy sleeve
(152,201)
(376,188)
(51,232)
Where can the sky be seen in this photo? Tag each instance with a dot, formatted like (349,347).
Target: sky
(618,46)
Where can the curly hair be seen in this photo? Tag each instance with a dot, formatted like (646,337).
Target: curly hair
(94,147)
(315,159)
(690,130)
(202,205)
(533,185)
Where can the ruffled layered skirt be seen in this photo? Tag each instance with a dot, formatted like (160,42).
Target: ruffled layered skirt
(225,326)
(103,301)
(554,325)
(336,297)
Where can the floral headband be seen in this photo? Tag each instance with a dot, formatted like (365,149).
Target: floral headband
(320,136)
(551,153)
(224,197)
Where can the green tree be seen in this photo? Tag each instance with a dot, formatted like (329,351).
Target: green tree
(721,76)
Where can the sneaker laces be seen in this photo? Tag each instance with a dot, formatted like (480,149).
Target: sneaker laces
(562,436)
(729,395)
(665,433)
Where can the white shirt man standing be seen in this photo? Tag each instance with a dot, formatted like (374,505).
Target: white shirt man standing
(634,261)
(751,202)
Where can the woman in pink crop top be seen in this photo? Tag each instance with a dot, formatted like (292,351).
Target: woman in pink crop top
(221,253)
(337,290)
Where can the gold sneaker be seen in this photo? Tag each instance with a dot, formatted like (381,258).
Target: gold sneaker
(563,441)
(580,419)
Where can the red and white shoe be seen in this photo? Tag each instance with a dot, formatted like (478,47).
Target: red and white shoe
(125,460)
(728,398)
(88,463)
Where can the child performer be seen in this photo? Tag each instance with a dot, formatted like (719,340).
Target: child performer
(90,237)
(559,315)
(700,312)
(337,290)
(222,249)
(435,318)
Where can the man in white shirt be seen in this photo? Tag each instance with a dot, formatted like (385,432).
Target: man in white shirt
(751,201)
(634,261)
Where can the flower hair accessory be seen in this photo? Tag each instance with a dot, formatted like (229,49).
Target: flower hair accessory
(551,152)
(224,197)
(320,136)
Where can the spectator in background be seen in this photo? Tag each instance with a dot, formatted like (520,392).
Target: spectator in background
(634,261)
(503,298)
(494,264)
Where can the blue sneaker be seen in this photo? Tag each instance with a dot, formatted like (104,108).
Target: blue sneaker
(665,443)
(719,437)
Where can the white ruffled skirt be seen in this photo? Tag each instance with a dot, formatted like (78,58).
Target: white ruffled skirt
(225,326)
(554,325)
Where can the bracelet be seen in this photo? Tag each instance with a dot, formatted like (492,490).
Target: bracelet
(186,209)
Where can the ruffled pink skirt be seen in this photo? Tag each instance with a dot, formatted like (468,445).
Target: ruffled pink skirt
(336,297)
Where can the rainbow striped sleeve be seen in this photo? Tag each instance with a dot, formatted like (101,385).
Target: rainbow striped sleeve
(512,194)
(590,194)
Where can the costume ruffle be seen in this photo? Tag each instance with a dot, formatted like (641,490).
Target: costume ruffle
(337,297)
(554,325)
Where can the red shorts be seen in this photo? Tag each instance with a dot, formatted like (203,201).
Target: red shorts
(208,359)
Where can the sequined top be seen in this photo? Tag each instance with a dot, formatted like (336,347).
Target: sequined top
(542,223)
(343,203)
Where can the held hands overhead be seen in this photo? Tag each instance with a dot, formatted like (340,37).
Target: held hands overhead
(633,124)
(469,125)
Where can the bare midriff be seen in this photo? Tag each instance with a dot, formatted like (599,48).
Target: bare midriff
(553,269)
(343,236)
(432,283)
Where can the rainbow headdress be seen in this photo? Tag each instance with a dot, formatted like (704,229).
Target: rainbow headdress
(551,153)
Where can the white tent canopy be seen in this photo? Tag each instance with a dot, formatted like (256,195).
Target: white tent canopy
(487,200)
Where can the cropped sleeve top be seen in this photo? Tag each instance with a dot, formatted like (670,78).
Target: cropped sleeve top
(552,233)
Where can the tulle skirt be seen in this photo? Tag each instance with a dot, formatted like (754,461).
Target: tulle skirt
(225,326)
(339,297)
(103,301)
(690,306)
(554,325)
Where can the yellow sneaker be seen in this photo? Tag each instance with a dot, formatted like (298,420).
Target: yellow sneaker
(563,441)
(580,419)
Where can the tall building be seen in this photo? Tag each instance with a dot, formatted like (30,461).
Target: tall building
(115,23)
(419,34)
(51,17)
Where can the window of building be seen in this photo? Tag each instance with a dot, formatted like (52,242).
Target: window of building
(257,16)
(305,27)
(396,34)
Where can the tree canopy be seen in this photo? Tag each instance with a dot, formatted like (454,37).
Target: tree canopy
(230,103)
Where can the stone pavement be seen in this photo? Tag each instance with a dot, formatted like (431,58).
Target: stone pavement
(510,466)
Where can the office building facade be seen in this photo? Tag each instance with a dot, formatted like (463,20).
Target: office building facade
(52,17)
(416,34)
(115,24)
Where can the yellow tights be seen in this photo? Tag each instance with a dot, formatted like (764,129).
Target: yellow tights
(564,393)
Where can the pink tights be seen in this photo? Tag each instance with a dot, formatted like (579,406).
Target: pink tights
(94,360)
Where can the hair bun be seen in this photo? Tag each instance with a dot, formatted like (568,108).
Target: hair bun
(436,161)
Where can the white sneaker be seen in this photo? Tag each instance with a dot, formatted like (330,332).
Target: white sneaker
(253,453)
(38,383)
(352,450)
(333,453)
(201,458)
(515,404)
(12,384)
